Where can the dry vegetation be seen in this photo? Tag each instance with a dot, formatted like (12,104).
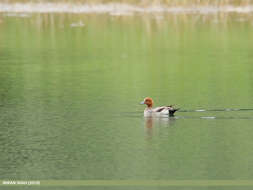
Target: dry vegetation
(147,2)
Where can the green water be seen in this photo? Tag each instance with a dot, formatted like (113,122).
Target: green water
(69,97)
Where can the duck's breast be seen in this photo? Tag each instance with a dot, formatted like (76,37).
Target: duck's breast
(148,112)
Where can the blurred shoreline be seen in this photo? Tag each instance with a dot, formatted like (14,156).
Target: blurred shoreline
(144,3)
(127,7)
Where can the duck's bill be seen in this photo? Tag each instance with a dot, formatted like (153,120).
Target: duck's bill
(142,102)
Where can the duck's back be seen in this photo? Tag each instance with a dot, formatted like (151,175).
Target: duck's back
(168,110)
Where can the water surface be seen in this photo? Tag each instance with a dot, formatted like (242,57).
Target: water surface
(70,87)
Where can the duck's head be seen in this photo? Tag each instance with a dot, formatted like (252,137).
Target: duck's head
(148,101)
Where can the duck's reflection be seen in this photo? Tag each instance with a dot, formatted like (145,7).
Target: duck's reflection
(156,122)
(149,126)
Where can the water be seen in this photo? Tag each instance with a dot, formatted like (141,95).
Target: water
(70,87)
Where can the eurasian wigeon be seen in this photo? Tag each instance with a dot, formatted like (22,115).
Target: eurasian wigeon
(158,111)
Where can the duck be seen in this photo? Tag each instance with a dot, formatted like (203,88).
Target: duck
(158,111)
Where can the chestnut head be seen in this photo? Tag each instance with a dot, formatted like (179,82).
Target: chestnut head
(148,101)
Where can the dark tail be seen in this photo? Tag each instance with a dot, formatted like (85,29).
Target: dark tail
(171,112)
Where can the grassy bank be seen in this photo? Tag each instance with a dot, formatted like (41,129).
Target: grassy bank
(147,2)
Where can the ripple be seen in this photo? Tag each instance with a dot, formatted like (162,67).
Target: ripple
(78,24)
